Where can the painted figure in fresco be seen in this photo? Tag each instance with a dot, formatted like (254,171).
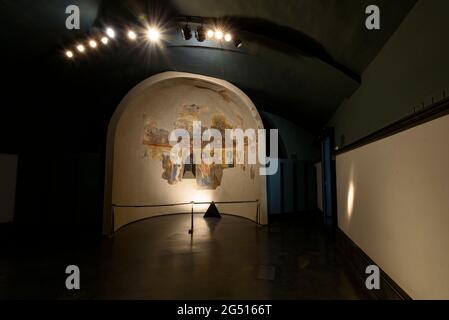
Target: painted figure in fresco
(208,176)
(158,148)
(172,172)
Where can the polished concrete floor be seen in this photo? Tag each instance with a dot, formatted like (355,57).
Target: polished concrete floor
(228,258)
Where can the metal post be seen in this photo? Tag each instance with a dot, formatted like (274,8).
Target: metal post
(191,221)
(112,222)
(257,212)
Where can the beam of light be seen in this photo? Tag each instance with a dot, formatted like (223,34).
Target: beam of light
(80,48)
(350,200)
(69,54)
(201,196)
(218,34)
(228,37)
(104,40)
(210,34)
(150,49)
(153,34)
(110,33)
(93,43)
(132,35)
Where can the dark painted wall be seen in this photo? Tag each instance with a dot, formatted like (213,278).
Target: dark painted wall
(293,188)
(409,73)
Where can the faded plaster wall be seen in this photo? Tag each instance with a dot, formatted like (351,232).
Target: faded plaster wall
(139,145)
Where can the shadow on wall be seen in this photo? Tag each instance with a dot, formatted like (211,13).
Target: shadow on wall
(294,187)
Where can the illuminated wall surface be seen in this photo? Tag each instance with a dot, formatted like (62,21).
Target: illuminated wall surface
(393,203)
(142,173)
(393,194)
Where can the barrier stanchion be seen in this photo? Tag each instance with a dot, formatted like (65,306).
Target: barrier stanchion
(191,220)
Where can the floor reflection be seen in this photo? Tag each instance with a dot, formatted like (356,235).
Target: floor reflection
(227,258)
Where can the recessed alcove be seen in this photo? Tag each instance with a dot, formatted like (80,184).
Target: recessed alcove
(141,181)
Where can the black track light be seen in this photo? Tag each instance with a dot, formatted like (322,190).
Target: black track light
(200,34)
(238,43)
(186,32)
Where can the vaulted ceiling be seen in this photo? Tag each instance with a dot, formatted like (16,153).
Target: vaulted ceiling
(300,58)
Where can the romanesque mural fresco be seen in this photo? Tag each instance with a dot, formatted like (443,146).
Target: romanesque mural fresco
(157,146)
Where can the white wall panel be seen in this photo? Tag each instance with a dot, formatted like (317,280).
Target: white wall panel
(393,202)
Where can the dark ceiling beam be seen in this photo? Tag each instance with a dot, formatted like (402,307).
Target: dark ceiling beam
(276,37)
(280,38)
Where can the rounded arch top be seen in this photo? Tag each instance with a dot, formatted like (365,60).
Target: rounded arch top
(131,174)
(171,75)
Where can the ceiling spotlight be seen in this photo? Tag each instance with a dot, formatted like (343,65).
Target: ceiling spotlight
(186,32)
(69,54)
(200,34)
(132,35)
(153,34)
(228,37)
(110,32)
(104,40)
(80,48)
(238,43)
(93,43)
(218,34)
(210,34)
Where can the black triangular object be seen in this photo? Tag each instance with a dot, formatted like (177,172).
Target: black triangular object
(212,212)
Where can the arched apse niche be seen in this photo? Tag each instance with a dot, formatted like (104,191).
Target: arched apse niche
(137,170)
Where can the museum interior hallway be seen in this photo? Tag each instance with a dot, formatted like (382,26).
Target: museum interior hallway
(227,258)
(319,126)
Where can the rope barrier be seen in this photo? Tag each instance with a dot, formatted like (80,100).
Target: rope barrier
(183,204)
